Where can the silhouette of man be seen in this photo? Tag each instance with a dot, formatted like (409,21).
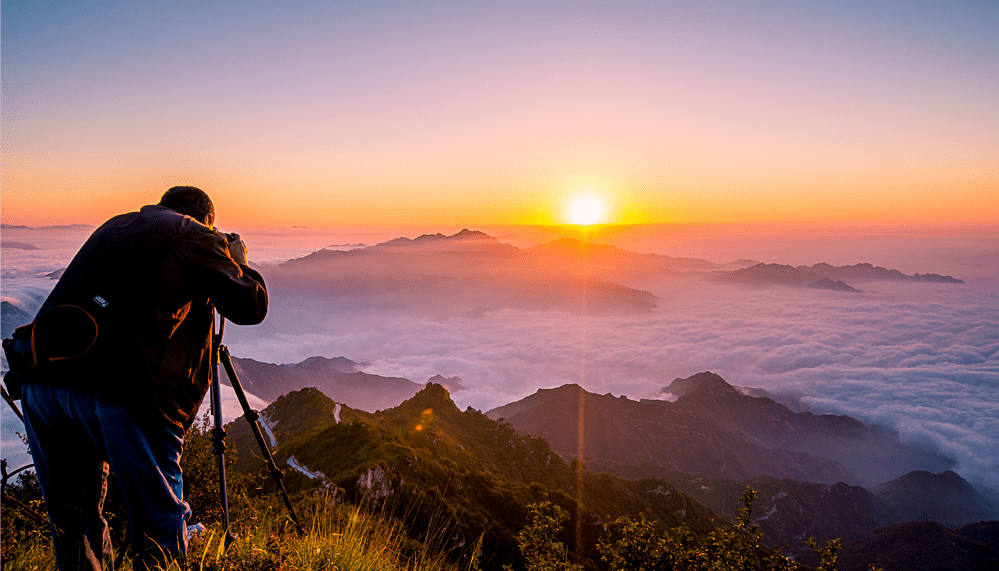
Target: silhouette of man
(151,280)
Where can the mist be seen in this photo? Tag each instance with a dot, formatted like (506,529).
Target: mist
(920,358)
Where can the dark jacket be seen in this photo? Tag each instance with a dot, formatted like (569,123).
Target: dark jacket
(150,279)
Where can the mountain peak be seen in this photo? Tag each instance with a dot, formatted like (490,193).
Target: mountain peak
(836,285)
(464,235)
(434,396)
(467,234)
(317,364)
(701,382)
(451,385)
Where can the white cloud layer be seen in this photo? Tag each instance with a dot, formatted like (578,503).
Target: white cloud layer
(923,358)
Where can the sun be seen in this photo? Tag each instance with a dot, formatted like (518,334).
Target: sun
(586,210)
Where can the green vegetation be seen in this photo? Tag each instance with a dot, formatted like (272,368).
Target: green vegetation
(425,486)
(538,543)
(348,537)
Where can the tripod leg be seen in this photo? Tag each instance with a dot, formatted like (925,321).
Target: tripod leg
(218,448)
(10,401)
(251,417)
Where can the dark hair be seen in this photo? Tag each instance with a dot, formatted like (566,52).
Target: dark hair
(192,201)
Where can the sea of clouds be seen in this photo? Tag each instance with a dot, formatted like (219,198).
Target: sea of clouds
(921,358)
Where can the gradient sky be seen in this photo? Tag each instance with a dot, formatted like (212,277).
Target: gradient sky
(384,113)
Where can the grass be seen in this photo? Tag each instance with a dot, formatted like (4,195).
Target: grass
(338,538)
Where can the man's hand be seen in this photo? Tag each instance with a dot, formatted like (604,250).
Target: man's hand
(237,249)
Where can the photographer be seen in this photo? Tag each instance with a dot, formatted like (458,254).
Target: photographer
(150,280)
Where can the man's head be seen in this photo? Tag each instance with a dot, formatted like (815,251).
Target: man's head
(192,201)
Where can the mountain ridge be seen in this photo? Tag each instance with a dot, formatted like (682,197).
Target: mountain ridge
(339,378)
(426,455)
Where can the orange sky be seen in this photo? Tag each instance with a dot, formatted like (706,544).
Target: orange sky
(386,115)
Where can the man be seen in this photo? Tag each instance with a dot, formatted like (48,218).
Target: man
(150,280)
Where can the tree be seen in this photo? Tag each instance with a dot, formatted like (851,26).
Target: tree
(537,542)
(642,548)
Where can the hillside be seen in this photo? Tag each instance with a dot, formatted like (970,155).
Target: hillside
(629,433)
(873,454)
(715,431)
(714,440)
(426,459)
(919,546)
(945,498)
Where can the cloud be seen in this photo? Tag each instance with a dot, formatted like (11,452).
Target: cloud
(922,358)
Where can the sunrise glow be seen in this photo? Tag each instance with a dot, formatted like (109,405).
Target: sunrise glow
(298,116)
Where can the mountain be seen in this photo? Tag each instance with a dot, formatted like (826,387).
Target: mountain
(984,531)
(873,454)
(452,384)
(12,317)
(823,275)
(425,457)
(18,245)
(872,272)
(470,274)
(917,546)
(714,440)
(619,431)
(451,276)
(338,378)
(788,511)
(945,498)
(713,430)
(766,274)
(428,462)
(838,285)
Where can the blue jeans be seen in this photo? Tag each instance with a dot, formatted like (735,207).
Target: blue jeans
(74,436)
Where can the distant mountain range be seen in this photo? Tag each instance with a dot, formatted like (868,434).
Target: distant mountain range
(824,276)
(452,275)
(339,378)
(471,273)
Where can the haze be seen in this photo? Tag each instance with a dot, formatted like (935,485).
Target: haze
(918,357)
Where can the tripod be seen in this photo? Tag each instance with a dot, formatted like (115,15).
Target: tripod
(220,354)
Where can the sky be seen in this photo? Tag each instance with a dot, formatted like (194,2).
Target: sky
(379,114)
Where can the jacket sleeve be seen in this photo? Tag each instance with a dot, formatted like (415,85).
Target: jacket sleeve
(238,292)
